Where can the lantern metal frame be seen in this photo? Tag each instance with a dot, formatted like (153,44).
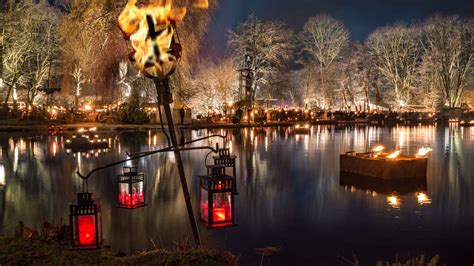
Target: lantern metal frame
(217,182)
(85,206)
(130,177)
(225,159)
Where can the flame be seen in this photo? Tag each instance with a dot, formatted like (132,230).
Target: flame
(393,201)
(423,198)
(378,148)
(423,151)
(150,29)
(394,155)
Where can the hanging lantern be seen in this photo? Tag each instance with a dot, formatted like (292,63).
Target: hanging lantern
(85,221)
(217,198)
(227,161)
(131,188)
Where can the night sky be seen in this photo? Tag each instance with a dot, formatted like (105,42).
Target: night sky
(359,16)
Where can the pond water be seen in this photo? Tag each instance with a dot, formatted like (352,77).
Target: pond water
(290,194)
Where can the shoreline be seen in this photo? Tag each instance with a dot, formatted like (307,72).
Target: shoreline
(15,126)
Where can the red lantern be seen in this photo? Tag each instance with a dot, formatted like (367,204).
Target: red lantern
(217,198)
(85,221)
(131,188)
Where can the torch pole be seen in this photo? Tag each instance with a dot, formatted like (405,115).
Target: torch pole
(165,98)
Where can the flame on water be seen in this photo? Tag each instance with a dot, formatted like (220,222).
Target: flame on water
(394,155)
(423,198)
(155,51)
(423,151)
(393,201)
(378,148)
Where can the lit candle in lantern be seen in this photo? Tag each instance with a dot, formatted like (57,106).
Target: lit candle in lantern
(86,230)
(219,214)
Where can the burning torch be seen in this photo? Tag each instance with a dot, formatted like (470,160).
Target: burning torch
(151,30)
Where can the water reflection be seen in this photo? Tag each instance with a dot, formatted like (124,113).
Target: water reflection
(290,192)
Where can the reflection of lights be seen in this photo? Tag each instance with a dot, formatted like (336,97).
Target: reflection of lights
(393,201)
(87,107)
(93,129)
(15,158)
(15,95)
(394,155)
(423,198)
(55,148)
(2,175)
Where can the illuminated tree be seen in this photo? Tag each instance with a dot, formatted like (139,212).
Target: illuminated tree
(268,43)
(396,53)
(449,51)
(324,37)
(215,85)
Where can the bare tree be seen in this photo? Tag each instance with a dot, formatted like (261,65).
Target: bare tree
(16,48)
(268,43)
(43,27)
(449,50)
(85,34)
(215,85)
(324,37)
(30,46)
(78,80)
(396,52)
(350,74)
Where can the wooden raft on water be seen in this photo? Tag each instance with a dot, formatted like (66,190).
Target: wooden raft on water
(370,165)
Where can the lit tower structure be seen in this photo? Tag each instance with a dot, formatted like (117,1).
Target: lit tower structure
(245,82)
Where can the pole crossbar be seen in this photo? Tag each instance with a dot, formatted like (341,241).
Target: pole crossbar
(186,143)
(135,156)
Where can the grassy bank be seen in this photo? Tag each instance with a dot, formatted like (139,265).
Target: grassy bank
(40,251)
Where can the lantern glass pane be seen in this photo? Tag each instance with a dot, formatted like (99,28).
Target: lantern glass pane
(131,194)
(85,230)
(204,205)
(138,195)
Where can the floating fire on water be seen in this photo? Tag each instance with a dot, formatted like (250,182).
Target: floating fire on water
(394,154)
(423,198)
(378,148)
(151,30)
(423,151)
(393,201)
